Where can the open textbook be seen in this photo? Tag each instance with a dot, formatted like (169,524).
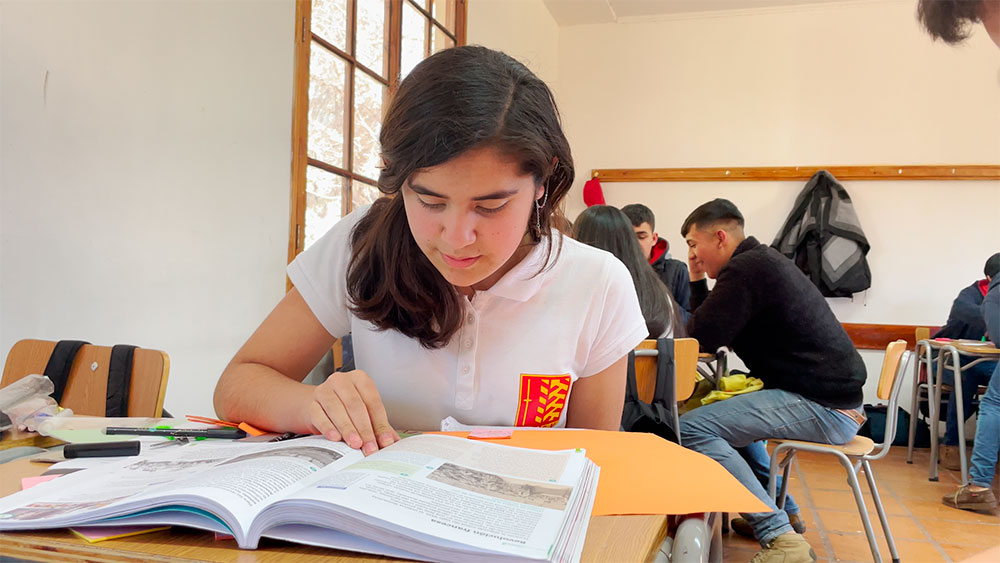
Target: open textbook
(425,497)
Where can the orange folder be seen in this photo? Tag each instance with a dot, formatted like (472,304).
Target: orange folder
(645,474)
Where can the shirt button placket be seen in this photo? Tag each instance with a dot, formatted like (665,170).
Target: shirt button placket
(465,381)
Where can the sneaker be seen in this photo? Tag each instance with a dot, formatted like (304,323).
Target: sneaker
(949,458)
(786,548)
(967,499)
(743,528)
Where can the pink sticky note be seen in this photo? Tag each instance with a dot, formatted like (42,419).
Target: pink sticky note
(490,433)
(28,482)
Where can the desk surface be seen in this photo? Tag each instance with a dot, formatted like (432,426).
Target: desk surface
(609,538)
(13,438)
(968,347)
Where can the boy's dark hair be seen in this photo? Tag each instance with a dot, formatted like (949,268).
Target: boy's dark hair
(453,101)
(948,20)
(992,267)
(607,228)
(638,214)
(710,213)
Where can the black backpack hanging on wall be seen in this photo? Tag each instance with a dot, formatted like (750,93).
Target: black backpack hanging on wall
(656,417)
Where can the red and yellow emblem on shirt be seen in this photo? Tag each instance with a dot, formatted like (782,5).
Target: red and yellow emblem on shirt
(541,399)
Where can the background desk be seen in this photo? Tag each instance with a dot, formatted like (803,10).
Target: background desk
(952,350)
(609,538)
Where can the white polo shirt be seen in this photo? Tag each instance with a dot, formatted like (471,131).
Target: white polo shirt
(522,344)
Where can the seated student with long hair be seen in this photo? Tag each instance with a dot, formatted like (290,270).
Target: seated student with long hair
(461,299)
(608,228)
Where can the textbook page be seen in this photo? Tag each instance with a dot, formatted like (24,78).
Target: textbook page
(436,496)
(230,482)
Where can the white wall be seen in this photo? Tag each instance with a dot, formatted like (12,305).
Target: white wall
(145,176)
(846,83)
(524,29)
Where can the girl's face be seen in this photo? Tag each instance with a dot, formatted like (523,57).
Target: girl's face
(469,216)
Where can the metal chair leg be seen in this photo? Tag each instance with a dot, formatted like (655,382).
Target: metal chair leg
(784,482)
(914,410)
(881,511)
(852,480)
(956,366)
(934,384)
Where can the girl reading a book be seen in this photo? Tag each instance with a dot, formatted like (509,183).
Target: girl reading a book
(461,300)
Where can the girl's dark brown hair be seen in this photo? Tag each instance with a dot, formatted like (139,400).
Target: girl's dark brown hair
(455,100)
(608,228)
(948,20)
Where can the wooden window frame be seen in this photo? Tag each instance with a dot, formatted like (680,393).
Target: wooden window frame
(300,107)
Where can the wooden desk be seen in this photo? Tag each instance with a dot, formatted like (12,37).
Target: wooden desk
(609,538)
(15,438)
(953,350)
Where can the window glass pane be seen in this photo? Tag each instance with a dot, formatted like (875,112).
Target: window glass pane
(414,39)
(363,194)
(444,13)
(324,202)
(440,40)
(327,110)
(368,97)
(371,46)
(329,21)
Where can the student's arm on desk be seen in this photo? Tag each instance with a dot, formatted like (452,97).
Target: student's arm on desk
(262,385)
(596,402)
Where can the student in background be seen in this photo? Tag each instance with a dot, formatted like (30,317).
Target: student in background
(673,273)
(976,494)
(950,20)
(776,320)
(965,322)
(607,228)
(455,289)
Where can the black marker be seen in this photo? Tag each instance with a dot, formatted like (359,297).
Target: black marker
(101,449)
(229,433)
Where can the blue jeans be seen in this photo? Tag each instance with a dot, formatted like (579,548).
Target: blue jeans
(759,461)
(972,378)
(984,452)
(719,429)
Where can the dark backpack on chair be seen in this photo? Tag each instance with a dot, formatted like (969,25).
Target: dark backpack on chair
(656,417)
(60,365)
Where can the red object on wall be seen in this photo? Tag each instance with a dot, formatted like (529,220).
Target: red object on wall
(592,193)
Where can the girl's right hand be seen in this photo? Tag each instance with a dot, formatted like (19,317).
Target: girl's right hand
(347,407)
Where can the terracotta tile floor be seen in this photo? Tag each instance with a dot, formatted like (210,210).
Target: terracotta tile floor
(924,529)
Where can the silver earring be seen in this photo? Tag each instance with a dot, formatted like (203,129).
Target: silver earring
(538,211)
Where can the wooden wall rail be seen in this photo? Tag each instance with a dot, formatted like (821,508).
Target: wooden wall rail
(785,173)
(877,337)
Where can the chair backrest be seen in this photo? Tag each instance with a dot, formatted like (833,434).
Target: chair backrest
(891,367)
(889,384)
(685,368)
(86,388)
(922,333)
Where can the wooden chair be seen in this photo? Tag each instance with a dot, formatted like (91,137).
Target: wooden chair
(86,388)
(685,368)
(856,454)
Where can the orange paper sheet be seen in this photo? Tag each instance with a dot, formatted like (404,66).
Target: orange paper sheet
(645,474)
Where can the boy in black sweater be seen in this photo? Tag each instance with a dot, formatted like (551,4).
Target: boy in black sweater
(780,325)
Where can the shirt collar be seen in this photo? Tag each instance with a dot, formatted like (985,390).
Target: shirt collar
(525,279)
(747,244)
